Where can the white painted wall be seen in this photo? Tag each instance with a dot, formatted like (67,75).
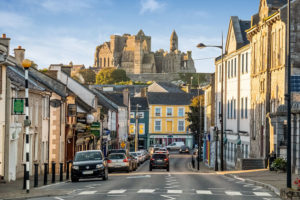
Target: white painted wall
(2,119)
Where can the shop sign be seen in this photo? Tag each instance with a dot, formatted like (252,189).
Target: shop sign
(72,110)
(95,128)
(81,120)
(18,106)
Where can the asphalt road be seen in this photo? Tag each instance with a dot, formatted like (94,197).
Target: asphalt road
(180,183)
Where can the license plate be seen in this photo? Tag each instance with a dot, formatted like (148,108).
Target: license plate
(87,172)
(159,161)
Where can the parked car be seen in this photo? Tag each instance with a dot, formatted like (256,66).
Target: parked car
(175,146)
(89,164)
(160,161)
(138,158)
(125,151)
(162,150)
(184,149)
(134,162)
(142,155)
(119,162)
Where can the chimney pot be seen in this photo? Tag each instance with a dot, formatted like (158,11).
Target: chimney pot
(19,47)
(3,35)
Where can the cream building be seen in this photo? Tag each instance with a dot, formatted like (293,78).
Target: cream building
(133,54)
(236,91)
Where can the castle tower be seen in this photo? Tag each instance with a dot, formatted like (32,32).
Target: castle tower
(173,42)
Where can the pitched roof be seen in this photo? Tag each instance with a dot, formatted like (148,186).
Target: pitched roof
(162,98)
(17,75)
(142,101)
(164,86)
(117,98)
(104,101)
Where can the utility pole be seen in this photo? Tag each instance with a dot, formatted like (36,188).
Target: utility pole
(288,99)
(199,135)
(136,128)
(26,64)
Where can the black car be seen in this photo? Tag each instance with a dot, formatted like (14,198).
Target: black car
(160,161)
(89,164)
(184,149)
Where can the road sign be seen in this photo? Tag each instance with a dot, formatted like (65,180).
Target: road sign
(123,145)
(18,106)
(95,128)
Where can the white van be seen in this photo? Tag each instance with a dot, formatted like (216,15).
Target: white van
(175,146)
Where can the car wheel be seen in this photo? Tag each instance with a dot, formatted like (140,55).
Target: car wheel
(168,168)
(105,177)
(74,179)
(128,170)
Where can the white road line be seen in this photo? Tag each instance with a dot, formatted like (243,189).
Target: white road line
(232,193)
(203,192)
(87,192)
(145,191)
(173,197)
(257,188)
(262,194)
(116,191)
(58,198)
(174,191)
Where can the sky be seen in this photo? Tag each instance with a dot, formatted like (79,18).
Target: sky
(60,31)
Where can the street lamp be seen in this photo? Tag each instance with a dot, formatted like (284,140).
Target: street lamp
(221,116)
(136,141)
(26,64)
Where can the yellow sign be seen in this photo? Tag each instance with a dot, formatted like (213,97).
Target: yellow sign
(131,129)
(123,145)
(141,129)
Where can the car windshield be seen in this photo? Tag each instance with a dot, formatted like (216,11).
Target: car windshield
(134,154)
(116,156)
(159,156)
(117,151)
(88,155)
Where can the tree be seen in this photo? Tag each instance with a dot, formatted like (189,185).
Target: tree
(88,75)
(194,115)
(111,76)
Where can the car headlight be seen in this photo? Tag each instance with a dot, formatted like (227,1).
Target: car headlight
(75,167)
(99,166)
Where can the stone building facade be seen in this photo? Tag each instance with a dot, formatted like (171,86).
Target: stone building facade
(268,42)
(133,54)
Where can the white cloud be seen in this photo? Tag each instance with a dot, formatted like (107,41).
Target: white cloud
(150,6)
(13,20)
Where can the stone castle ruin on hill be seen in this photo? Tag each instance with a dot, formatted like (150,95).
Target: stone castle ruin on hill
(133,54)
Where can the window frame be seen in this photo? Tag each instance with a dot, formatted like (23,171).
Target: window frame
(183,113)
(171,112)
(156,130)
(181,120)
(160,113)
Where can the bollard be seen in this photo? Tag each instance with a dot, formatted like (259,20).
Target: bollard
(36,171)
(53,172)
(60,172)
(24,181)
(68,170)
(45,173)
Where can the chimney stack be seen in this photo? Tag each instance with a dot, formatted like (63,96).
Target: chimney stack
(144,92)
(126,97)
(4,44)
(19,55)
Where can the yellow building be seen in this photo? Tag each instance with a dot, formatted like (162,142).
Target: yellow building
(168,119)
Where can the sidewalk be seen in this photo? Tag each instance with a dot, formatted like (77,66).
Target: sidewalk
(14,189)
(268,179)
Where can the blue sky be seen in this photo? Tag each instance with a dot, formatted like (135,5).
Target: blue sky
(60,31)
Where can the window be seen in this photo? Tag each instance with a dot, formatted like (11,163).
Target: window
(246,151)
(228,106)
(234,108)
(157,112)
(181,125)
(45,107)
(219,107)
(246,107)
(220,73)
(235,67)
(108,62)
(141,115)
(180,112)
(169,112)
(228,69)
(242,63)
(242,107)
(157,125)
(231,106)
(231,68)
(132,115)
(246,65)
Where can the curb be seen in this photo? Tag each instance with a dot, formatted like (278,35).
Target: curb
(264,185)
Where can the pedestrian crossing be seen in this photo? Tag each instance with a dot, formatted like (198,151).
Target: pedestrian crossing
(179,192)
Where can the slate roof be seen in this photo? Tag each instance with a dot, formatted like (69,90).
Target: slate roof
(142,101)
(170,87)
(117,98)
(276,3)
(119,88)
(17,75)
(245,25)
(104,101)
(162,98)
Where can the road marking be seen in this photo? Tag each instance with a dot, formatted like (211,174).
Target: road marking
(203,192)
(169,196)
(58,198)
(116,191)
(216,188)
(117,195)
(171,187)
(232,193)
(262,194)
(248,185)
(87,192)
(257,188)
(146,191)
(174,191)
(146,176)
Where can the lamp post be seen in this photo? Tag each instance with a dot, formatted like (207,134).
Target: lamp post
(26,64)
(199,135)
(288,99)
(136,141)
(221,116)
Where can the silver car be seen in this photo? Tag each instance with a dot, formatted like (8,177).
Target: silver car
(118,162)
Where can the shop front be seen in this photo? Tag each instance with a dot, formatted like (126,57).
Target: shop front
(164,140)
